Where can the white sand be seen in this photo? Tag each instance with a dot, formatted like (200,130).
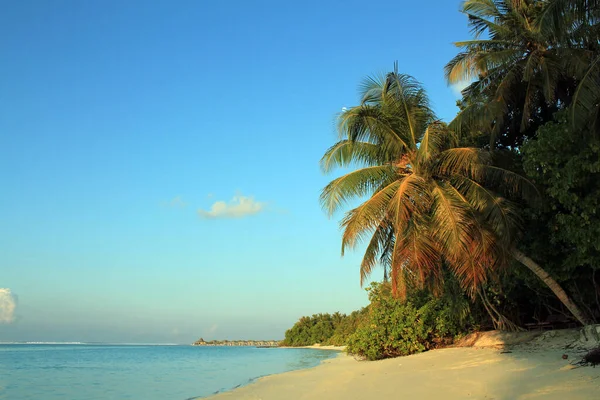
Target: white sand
(534,370)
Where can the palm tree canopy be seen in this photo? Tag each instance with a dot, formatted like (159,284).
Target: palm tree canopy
(525,60)
(428,200)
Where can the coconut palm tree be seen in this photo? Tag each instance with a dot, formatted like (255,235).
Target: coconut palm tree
(581,19)
(427,201)
(525,61)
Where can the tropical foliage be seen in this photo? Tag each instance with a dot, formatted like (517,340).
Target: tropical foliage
(316,329)
(566,167)
(389,326)
(527,59)
(393,327)
(513,178)
(346,328)
(428,197)
(431,202)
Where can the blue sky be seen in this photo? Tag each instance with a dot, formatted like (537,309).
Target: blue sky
(123,123)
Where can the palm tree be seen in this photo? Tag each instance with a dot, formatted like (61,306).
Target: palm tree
(525,59)
(581,19)
(428,201)
(337,318)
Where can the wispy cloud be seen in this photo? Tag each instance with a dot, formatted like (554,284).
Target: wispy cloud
(238,207)
(7,306)
(175,202)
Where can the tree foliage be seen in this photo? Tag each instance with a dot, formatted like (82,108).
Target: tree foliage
(394,327)
(527,59)
(567,166)
(322,329)
(443,202)
(430,201)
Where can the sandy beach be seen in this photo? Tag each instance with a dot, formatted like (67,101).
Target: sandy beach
(531,367)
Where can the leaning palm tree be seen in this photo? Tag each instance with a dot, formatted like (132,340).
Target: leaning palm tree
(428,200)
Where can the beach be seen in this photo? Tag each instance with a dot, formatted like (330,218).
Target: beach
(531,367)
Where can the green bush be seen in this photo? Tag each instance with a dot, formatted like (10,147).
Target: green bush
(389,327)
(310,330)
(346,328)
(392,327)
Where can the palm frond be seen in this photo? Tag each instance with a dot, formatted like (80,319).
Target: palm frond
(419,253)
(450,219)
(378,250)
(555,13)
(493,209)
(467,161)
(365,218)
(436,138)
(586,100)
(369,124)
(473,269)
(411,198)
(346,152)
(509,183)
(356,184)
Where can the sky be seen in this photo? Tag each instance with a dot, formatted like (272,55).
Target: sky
(159,160)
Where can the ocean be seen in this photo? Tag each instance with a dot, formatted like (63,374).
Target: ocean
(148,372)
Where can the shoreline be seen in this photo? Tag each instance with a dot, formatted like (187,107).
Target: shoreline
(251,381)
(319,347)
(496,366)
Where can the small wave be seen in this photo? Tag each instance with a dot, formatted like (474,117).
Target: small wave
(70,343)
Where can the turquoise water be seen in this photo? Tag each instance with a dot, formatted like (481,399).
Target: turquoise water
(101,372)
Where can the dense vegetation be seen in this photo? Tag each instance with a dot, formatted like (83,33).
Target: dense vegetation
(496,210)
(324,329)
(394,327)
(390,326)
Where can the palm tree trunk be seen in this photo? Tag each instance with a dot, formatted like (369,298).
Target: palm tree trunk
(552,284)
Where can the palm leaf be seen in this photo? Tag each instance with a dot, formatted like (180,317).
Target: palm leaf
(355,184)
(377,250)
(346,152)
(365,218)
(586,100)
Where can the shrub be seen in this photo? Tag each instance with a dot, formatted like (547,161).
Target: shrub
(346,327)
(310,330)
(392,327)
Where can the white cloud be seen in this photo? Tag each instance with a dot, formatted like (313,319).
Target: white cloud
(176,202)
(213,328)
(7,306)
(458,87)
(238,207)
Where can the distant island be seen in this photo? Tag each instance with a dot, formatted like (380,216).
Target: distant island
(257,343)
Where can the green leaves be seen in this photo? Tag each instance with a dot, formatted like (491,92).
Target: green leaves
(359,183)
(310,330)
(346,152)
(426,201)
(392,327)
(566,164)
(533,57)
(586,100)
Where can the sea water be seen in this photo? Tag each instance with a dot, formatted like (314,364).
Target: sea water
(148,372)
